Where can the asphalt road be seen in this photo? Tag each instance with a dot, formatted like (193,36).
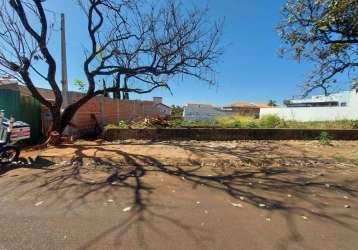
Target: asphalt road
(199,209)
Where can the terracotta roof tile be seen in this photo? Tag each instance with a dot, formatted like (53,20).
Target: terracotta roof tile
(248,105)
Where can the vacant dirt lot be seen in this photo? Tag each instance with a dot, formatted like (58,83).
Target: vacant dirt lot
(183,195)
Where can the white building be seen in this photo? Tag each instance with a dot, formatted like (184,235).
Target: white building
(338,106)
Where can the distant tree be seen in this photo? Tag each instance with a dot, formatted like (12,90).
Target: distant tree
(272,103)
(121,90)
(177,111)
(324,32)
(164,39)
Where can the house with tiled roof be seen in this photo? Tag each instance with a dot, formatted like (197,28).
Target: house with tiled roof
(247,109)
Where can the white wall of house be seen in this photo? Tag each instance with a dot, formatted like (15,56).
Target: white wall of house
(304,114)
(341,97)
(312,113)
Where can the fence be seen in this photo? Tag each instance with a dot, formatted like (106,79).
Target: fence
(23,108)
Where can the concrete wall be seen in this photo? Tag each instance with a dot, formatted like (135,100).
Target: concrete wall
(219,134)
(312,114)
(306,114)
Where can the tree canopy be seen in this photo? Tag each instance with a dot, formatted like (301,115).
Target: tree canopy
(324,32)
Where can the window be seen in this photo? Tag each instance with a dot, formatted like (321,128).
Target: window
(343,104)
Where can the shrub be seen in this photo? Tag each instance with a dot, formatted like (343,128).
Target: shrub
(122,124)
(236,124)
(325,139)
(236,121)
(272,121)
(225,121)
(176,123)
(252,124)
(354,125)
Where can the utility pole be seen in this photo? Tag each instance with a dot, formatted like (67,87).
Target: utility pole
(64,62)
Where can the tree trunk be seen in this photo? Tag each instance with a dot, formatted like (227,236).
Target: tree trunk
(54,136)
(125,93)
(71,110)
(117,84)
(61,120)
(67,116)
(56,120)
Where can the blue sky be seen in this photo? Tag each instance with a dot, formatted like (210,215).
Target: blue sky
(250,70)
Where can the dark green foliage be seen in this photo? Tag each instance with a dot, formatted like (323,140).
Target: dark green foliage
(271,122)
(252,125)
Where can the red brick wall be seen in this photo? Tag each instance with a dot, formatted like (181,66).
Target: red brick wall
(107,111)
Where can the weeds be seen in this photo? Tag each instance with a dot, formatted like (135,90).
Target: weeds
(270,121)
(325,139)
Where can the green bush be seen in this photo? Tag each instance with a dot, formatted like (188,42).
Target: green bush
(120,124)
(252,124)
(123,124)
(354,124)
(272,121)
(237,124)
(236,121)
(325,139)
(176,123)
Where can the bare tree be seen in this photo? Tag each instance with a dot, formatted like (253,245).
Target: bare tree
(163,41)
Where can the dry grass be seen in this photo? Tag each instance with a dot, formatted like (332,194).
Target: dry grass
(237,121)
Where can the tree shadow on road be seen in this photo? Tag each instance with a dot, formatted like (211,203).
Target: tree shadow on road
(266,187)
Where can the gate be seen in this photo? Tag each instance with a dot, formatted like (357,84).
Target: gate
(23,108)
